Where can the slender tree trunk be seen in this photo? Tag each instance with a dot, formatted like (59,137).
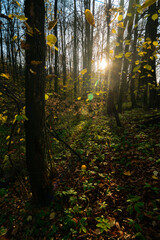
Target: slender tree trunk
(35,87)
(132,79)
(87,54)
(75,50)
(1,44)
(151,28)
(108,7)
(126,62)
(56,52)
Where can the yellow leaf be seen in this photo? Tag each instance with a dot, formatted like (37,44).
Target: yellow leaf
(18,130)
(127,173)
(121,25)
(111,51)
(120,17)
(18,3)
(28,28)
(79,98)
(113,30)
(32,71)
(129,14)
(11,16)
(22,139)
(127,42)
(155,43)
(120,55)
(117,44)
(83,71)
(147,66)
(137,62)
(46,96)
(83,167)
(142,53)
(8,137)
(4,75)
(52,24)
(14,38)
(56,48)
(154,16)
(148,3)
(128,54)
(51,39)
(89,17)
(21,17)
(155,177)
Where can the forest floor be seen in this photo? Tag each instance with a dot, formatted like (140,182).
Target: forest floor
(111,191)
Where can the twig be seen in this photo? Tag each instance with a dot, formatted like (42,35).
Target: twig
(54,134)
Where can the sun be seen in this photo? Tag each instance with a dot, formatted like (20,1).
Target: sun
(103,64)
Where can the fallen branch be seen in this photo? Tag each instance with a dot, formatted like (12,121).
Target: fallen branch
(55,134)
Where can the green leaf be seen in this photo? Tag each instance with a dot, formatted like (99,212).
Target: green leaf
(3,231)
(147,66)
(158,161)
(90,96)
(136,68)
(24,117)
(19,118)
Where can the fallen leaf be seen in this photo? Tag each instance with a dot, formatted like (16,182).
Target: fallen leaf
(52,215)
(154,177)
(127,173)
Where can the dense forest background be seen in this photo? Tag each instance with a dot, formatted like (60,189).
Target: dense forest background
(79,119)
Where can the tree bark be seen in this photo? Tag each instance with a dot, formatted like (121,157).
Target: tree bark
(35,103)
(56,52)
(75,50)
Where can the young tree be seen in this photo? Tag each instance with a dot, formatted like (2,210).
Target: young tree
(35,102)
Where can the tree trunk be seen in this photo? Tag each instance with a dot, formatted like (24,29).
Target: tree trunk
(56,52)
(151,29)
(133,65)
(35,103)
(126,61)
(75,50)
(111,108)
(87,54)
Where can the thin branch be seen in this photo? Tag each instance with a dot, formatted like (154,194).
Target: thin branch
(54,134)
